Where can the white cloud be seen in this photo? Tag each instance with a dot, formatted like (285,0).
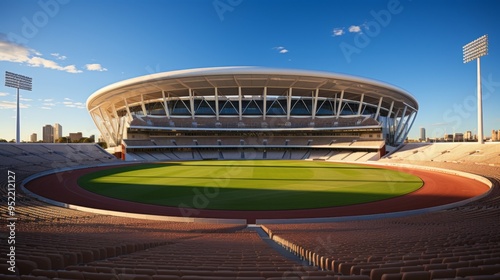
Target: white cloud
(7,105)
(16,53)
(13,53)
(354,28)
(71,69)
(95,67)
(281,50)
(46,63)
(338,32)
(71,104)
(59,56)
(11,105)
(43,104)
(4,93)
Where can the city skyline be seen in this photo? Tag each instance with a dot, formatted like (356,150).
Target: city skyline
(414,45)
(53,133)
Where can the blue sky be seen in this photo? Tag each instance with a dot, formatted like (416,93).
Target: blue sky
(71,48)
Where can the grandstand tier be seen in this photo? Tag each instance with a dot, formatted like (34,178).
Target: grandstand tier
(234,145)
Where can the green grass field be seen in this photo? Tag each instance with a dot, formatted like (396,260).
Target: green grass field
(250,185)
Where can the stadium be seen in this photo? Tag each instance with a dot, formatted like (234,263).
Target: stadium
(251,173)
(253,109)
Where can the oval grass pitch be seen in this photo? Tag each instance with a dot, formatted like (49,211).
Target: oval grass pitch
(250,185)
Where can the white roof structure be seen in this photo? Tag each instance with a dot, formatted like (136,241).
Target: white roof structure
(222,93)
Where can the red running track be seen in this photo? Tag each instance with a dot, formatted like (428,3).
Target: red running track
(438,189)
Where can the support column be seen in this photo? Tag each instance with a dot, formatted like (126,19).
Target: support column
(94,113)
(165,104)
(334,104)
(340,103)
(216,94)
(240,104)
(388,123)
(401,121)
(315,104)
(115,113)
(107,123)
(264,104)
(130,118)
(396,123)
(143,106)
(116,118)
(361,104)
(288,104)
(378,107)
(191,103)
(411,120)
(390,109)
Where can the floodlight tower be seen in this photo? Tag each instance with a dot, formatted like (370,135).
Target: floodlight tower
(19,82)
(474,50)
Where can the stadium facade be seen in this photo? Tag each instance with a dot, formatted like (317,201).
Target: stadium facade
(245,101)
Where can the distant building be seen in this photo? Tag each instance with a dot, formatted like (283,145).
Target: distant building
(458,137)
(495,135)
(468,135)
(57,131)
(33,138)
(448,138)
(75,137)
(48,134)
(422,134)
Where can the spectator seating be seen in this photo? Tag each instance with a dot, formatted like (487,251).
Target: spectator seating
(462,242)
(58,243)
(488,153)
(238,147)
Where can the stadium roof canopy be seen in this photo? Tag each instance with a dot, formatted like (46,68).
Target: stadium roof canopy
(114,107)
